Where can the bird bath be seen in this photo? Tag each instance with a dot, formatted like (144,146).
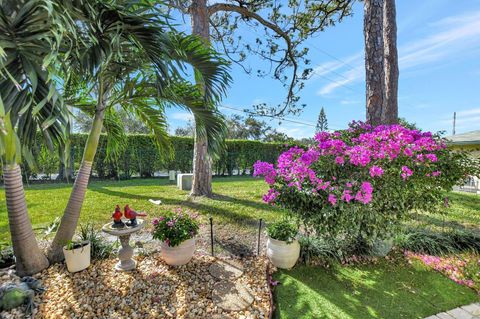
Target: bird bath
(125,253)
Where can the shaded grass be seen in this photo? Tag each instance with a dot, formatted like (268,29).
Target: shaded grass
(237,201)
(384,290)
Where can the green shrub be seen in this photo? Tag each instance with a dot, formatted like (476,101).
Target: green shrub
(438,242)
(100,247)
(359,184)
(282,230)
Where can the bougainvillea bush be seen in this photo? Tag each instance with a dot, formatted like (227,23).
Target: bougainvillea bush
(176,226)
(360,182)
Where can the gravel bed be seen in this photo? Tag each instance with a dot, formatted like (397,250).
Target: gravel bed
(153,290)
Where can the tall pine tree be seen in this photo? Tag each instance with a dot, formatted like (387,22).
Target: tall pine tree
(322,123)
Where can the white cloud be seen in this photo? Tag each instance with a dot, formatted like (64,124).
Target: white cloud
(451,37)
(465,118)
(475,111)
(296,131)
(458,34)
(182,116)
(347,78)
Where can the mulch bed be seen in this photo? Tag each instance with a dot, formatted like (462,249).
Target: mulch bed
(153,290)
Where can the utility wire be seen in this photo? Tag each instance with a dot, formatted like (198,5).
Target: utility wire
(270,116)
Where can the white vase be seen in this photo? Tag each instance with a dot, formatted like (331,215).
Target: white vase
(178,255)
(282,254)
(79,258)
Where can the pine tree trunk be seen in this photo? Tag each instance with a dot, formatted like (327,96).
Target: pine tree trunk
(202,163)
(29,258)
(70,217)
(374,60)
(390,114)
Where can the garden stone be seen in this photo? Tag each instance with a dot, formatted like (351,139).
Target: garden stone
(474,309)
(459,313)
(226,269)
(184,181)
(232,296)
(443,315)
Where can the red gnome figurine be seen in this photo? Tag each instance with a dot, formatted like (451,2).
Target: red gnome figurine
(117,218)
(132,215)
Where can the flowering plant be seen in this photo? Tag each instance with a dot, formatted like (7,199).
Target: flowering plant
(282,230)
(175,227)
(357,183)
(463,269)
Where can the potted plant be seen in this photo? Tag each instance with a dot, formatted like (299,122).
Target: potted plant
(77,255)
(176,230)
(283,248)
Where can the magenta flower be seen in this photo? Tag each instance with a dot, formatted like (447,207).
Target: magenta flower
(432,157)
(265,169)
(347,196)
(340,160)
(436,173)
(406,172)
(170,223)
(332,199)
(376,171)
(155,221)
(270,196)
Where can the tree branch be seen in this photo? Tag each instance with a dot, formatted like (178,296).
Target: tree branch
(289,53)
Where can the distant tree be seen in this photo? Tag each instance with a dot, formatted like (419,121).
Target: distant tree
(275,136)
(188,130)
(322,123)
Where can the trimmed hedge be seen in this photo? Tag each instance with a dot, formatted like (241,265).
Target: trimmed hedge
(141,158)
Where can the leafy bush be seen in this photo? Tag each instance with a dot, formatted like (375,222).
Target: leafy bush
(282,230)
(99,246)
(438,242)
(140,157)
(357,184)
(175,227)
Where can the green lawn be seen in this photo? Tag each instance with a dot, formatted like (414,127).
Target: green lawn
(384,290)
(237,200)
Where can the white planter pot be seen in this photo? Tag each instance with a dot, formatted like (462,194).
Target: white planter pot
(77,259)
(178,255)
(281,254)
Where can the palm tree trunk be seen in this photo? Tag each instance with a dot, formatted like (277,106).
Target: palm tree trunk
(202,163)
(374,61)
(390,114)
(29,258)
(70,217)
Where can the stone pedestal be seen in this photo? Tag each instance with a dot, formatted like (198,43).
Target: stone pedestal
(184,181)
(125,253)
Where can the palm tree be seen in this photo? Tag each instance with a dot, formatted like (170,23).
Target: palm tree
(30,33)
(131,58)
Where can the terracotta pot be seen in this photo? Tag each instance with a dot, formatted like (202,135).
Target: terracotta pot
(77,259)
(282,254)
(178,255)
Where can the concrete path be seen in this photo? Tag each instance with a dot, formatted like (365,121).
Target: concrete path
(465,312)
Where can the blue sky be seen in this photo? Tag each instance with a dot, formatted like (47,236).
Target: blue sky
(439,50)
